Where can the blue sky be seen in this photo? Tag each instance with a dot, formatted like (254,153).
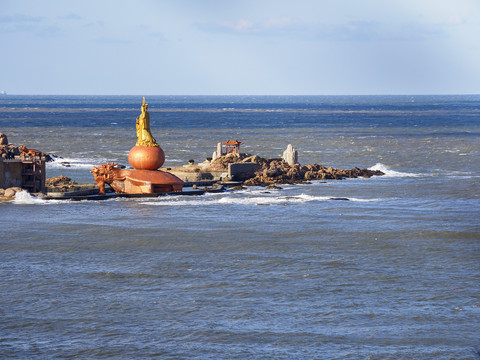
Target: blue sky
(256,47)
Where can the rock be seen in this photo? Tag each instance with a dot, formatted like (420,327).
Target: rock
(279,171)
(270,172)
(3,139)
(255,181)
(221,162)
(273,187)
(49,158)
(9,151)
(252,159)
(10,192)
(309,175)
(60,181)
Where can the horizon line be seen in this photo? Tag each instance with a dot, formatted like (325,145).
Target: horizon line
(232,95)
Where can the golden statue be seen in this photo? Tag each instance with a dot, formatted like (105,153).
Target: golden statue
(144,137)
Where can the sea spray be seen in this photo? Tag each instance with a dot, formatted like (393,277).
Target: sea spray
(243,198)
(24,197)
(391,173)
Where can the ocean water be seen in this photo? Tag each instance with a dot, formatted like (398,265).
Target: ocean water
(390,272)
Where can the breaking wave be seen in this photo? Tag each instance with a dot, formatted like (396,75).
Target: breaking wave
(75,163)
(62,163)
(24,197)
(391,173)
(247,200)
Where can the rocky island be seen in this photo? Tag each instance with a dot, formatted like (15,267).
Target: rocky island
(254,170)
(279,171)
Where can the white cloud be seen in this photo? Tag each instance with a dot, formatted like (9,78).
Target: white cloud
(284,22)
(345,31)
(241,25)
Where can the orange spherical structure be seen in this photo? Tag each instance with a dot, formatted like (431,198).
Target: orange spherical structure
(146,157)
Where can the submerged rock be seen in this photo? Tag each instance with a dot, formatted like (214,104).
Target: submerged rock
(273,187)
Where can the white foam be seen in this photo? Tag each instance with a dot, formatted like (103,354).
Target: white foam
(254,191)
(391,173)
(71,163)
(24,197)
(77,163)
(246,199)
(457,174)
(362,200)
(309,198)
(180,201)
(266,200)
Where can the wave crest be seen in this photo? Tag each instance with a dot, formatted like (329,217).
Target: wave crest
(391,173)
(247,200)
(24,197)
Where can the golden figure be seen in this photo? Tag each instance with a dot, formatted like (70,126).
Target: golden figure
(144,137)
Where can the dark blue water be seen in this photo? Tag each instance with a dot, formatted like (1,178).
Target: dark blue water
(390,273)
(275,111)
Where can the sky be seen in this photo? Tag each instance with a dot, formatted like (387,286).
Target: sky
(239,47)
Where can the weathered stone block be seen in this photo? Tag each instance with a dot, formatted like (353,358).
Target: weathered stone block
(242,171)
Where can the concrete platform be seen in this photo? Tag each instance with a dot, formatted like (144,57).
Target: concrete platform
(83,195)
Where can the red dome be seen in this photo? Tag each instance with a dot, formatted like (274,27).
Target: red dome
(146,157)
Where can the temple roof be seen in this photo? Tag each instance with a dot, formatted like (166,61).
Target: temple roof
(232,142)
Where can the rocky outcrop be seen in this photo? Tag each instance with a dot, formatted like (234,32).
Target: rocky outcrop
(3,139)
(221,162)
(278,171)
(9,193)
(9,151)
(60,183)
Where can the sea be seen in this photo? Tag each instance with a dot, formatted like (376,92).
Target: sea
(381,268)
